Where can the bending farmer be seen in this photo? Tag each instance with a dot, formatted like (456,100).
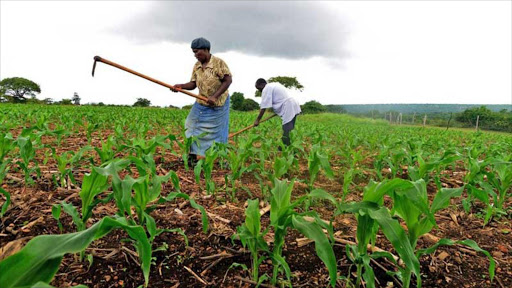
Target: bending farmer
(274,95)
(212,77)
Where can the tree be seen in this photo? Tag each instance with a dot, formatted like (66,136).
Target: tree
(17,89)
(288,82)
(470,115)
(237,99)
(76,99)
(48,101)
(65,102)
(249,105)
(313,107)
(142,102)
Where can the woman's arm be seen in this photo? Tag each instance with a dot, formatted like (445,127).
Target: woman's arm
(187,86)
(225,82)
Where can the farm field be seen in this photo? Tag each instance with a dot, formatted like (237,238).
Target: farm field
(352,202)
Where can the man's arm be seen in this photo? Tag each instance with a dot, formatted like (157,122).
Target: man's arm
(257,122)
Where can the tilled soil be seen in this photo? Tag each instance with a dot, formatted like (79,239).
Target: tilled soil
(214,259)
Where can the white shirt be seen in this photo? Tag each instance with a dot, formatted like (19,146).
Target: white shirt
(274,96)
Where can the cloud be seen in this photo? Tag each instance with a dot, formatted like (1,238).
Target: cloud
(291,29)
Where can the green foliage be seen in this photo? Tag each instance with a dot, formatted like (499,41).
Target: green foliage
(17,89)
(284,216)
(288,82)
(142,102)
(40,259)
(249,105)
(65,102)
(237,100)
(251,236)
(313,107)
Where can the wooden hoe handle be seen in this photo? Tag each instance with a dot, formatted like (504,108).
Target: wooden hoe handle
(103,60)
(249,127)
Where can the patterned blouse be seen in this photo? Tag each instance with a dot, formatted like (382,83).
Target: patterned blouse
(208,79)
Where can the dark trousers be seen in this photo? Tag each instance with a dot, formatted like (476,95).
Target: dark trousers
(286,131)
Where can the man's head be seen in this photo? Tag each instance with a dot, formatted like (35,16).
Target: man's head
(201,48)
(260,84)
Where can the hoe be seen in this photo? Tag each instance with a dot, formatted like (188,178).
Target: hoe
(108,62)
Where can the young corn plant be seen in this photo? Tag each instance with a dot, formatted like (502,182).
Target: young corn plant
(492,185)
(185,146)
(476,184)
(207,165)
(40,259)
(143,194)
(66,162)
(107,152)
(27,153)
(501,180)
(237,158)
(318,161)
(412,205)
(4,168)
(92,185)
(410,202)
(6,145)
(284,216)
(252,237)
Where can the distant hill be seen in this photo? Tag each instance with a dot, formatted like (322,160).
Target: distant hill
(412,108)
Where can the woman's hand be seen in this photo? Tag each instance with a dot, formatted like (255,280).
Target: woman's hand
(211,100)
(177,87)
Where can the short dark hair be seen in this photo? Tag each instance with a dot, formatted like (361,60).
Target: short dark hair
(261,81)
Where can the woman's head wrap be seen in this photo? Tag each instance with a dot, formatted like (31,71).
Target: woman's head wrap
(200,43)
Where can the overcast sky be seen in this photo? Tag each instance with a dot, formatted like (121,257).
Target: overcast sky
(343,52)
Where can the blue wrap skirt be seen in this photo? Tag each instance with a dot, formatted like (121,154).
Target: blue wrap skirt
(212,121)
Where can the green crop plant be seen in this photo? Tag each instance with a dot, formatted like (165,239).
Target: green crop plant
(281,166)
(107,152)
(284,216)
(370,216)
(435,164)
(66,162)
(4,168)
(251,236)
(476,184)
(185,145)
(92,185)
(410,202)
(494,183)
(6,145)
(40,259)
(318,161)
(500,178)
(207,165)
(236,159)
(27,153)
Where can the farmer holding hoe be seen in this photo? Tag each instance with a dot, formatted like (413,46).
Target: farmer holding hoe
(274,95)
(207,119)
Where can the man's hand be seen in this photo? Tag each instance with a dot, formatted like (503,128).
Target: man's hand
(256,123)
(176,87)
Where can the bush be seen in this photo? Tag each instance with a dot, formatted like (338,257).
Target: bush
(249,105)
(313,107)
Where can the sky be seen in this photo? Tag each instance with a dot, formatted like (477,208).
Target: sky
(342,52)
